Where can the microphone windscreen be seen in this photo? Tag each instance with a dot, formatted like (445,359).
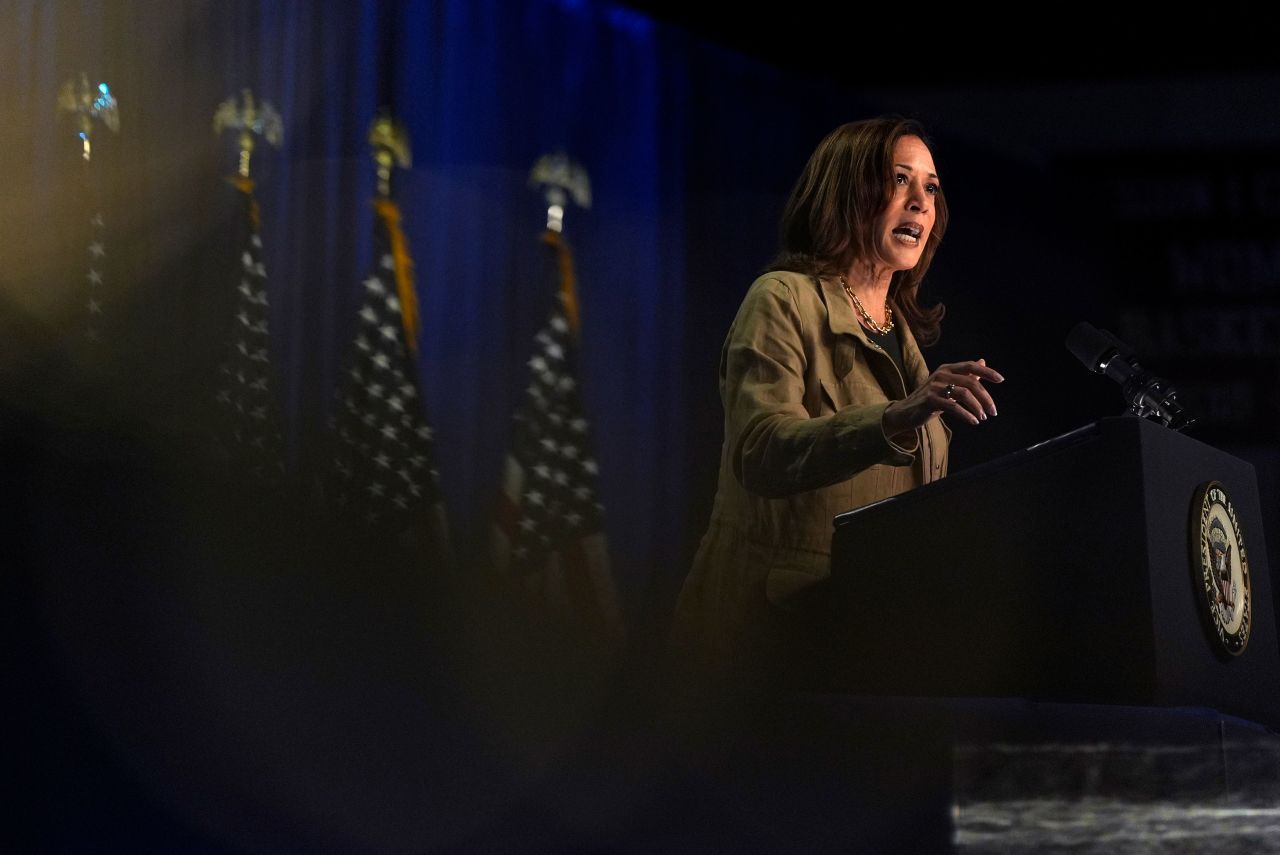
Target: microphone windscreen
(1090,345)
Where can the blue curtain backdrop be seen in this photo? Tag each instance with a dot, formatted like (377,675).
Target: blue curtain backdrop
(685,144)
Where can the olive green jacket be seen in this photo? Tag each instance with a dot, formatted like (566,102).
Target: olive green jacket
(804,391)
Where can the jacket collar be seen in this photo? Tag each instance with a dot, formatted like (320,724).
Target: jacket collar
(840,315)
(841,320)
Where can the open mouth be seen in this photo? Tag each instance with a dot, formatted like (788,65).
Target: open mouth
(909,233)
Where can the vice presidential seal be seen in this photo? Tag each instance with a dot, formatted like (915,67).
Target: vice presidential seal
(1221,568)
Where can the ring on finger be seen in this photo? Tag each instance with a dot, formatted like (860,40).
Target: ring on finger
(950,391)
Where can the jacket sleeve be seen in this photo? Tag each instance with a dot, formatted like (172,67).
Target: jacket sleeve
(777,447)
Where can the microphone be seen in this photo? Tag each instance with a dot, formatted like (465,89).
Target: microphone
(1147,394)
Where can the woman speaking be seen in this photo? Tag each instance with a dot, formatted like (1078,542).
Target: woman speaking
(828,403)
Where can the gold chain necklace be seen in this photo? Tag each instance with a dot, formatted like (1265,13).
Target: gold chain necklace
(866,318)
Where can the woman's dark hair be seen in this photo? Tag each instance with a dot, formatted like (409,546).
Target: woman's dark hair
(829,219)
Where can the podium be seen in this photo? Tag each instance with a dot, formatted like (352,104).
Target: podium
(1061,573)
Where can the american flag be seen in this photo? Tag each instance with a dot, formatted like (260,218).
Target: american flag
(383,471)
(549,535)
(250,420)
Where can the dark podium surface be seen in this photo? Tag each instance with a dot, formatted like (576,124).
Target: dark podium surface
(1060,573)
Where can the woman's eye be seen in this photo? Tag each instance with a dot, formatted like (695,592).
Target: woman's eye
(900,178)
(932,189)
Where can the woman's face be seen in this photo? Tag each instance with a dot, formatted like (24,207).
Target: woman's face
(904,225)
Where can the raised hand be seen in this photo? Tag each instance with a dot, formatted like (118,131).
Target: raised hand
(955,387)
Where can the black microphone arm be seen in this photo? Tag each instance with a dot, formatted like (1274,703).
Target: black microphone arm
(1147,394)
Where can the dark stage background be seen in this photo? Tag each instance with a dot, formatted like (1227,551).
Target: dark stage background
(207,671)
